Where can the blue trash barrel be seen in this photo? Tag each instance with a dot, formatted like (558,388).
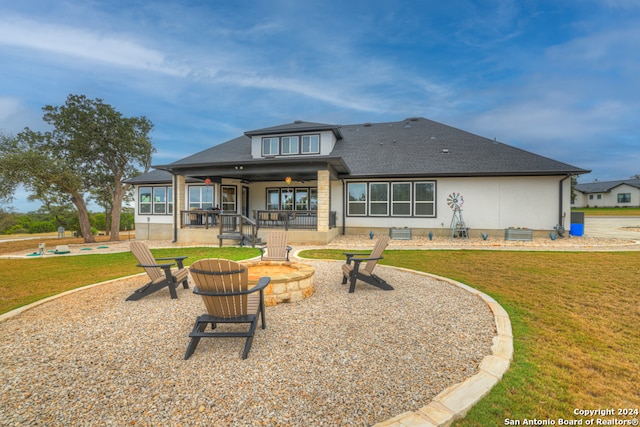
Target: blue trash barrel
(576,229)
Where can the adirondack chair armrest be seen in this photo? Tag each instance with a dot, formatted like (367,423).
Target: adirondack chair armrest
(366,259)
(262,283)
(157,265)
(350,255)
(357,261)
(178,259)
(165,267)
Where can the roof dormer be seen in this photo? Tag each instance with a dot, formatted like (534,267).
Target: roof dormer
(297,139)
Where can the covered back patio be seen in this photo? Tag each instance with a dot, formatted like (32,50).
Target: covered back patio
(248,200)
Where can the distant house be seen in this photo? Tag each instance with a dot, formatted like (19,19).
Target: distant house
(608,194)
(320,180)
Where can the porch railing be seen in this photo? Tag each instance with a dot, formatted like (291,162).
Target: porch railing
(300,220)
(199,218)
(228,222)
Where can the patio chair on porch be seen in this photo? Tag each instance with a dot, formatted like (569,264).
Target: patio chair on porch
(223,286)
(161,275)
(352,272)
(276,247)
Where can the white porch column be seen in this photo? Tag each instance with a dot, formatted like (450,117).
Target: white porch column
(324,201)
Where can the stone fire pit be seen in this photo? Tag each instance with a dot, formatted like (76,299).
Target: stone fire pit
(290,281)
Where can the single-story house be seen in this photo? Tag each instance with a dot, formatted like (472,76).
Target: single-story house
(608,194)
(320,180)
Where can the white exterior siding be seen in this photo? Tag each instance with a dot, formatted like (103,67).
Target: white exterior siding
(489,203)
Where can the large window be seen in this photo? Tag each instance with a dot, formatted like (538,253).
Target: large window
(357,199)
(292,198)
(160,200)
(144,200)
(273,199)
(624,197)
(201,196)
(424,199)
(406,198)
(155,200)
(302,199)
(401,198)
(379,199)
(286,199)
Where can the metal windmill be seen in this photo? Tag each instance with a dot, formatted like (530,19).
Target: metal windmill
(458,227)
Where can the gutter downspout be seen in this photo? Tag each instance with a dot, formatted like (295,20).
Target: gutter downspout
(174,180)
(344,211)
(561,194)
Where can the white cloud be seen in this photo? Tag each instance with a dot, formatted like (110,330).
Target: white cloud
(113,49)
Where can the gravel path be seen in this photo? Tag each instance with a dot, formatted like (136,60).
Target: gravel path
(90,358)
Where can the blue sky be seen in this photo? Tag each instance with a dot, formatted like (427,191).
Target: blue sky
(558,78)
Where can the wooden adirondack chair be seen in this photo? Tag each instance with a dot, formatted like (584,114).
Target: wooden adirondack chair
(223,286)
(161,275)
(352,272)
(276,248)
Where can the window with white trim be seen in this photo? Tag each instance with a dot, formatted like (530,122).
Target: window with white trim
(273,199)
(302,199)
(144,200)
(270,146)
(313,199)
(228,203)
(155,200)
(290,145)
(286,199)
(401,198)
(310,144)
(292,198)
(379,199)
(424,199)
(357,198)
(160,200)
(201,196)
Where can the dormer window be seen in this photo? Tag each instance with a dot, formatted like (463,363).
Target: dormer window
(290,145)
(310,144)
(270,146)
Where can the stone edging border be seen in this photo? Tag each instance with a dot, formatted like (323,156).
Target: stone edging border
(450,404)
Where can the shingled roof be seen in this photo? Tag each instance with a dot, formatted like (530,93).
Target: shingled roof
(414,147)
(606,186)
